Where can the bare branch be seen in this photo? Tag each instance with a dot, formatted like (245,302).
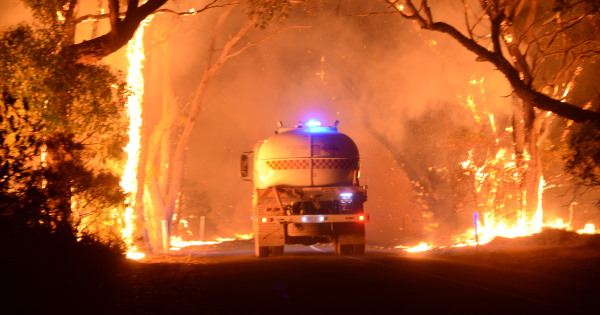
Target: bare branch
(521,87)
(466,11)
(113,6)
(252,44)
(192,12)
(131,5)
(569,25)
(427,11)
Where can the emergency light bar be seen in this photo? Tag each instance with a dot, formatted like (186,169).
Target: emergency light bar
(313,123)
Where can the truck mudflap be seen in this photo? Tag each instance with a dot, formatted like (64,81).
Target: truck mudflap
(315,218)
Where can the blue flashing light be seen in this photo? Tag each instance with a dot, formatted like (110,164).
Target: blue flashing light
(314,126)
(346,198)
(313,123)
(346,195)
(346,201)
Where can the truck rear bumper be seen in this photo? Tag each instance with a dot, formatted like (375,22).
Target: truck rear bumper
(315,218)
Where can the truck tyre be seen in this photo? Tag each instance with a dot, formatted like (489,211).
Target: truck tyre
(262,251)
(346,249)
(343,249)
(276,250)
(359,249)
(349,248)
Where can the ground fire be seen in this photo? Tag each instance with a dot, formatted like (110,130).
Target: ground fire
(500,206)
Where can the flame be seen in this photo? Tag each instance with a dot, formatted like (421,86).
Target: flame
(423,246)
(177,243)
(589,228)
(500,211)
(129,182)
(244,236)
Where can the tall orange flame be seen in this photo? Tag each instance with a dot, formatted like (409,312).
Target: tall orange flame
(129,182)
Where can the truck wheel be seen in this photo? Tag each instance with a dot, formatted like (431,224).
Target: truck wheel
(359,249)
(349,248)
(344,249)
(276,250)
(352,249)
(262,251)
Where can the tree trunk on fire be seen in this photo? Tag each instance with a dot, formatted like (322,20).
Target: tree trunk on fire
(527,156)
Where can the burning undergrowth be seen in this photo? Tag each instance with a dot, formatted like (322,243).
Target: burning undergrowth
(567,252)
(549,238)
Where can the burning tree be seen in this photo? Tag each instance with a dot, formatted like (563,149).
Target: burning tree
(546,51)
(60,133)
(62,120)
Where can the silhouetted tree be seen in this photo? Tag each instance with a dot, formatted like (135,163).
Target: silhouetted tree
(61,135)
(61,126)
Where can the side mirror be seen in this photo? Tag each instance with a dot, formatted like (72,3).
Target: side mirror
(246,165)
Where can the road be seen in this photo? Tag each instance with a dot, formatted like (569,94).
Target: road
(230,280)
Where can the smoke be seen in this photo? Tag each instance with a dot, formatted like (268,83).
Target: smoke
(347,66)
(13,12)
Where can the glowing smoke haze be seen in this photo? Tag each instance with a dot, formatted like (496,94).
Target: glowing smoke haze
(341,68)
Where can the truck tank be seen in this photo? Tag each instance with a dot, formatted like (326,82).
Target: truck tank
(306,190)
(305,156)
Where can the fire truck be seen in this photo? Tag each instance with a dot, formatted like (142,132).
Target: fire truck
(306,190)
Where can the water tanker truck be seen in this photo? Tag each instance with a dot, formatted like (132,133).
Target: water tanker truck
(306,190)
